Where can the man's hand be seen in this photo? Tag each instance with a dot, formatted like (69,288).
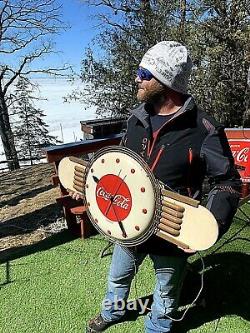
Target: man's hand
(190,251)
(76,196)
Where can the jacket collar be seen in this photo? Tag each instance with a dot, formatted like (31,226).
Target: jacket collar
(142,114)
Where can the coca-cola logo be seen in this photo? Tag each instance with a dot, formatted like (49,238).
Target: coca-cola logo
(113,197)
(118,200)
(240,155)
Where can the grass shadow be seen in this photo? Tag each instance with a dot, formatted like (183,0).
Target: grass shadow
(9,255)
(26,195)
(46,244)
(31,221)
(226,290)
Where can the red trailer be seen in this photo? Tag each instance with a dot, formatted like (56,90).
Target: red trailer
(239,140)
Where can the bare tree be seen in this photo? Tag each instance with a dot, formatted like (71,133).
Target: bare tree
(26,29)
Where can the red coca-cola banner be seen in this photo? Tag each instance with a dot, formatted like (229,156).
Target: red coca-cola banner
(241,153)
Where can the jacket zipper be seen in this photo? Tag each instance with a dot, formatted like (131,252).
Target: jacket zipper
(190,160)
(151,147)
(157,158)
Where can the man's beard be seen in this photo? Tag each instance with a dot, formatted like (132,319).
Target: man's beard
(154,94)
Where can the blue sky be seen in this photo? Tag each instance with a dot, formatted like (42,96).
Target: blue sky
(71,43)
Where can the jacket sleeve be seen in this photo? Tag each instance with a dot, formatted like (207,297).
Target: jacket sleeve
(123,141)
(224,179)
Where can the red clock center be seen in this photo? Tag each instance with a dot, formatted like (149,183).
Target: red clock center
(113,197)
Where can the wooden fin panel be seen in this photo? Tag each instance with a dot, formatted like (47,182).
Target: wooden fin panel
(181,198)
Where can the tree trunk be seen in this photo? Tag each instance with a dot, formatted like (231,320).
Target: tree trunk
(183,10)
(148,24)
(7,136)
(28,134)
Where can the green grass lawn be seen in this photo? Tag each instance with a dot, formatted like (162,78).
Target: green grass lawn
(57,285)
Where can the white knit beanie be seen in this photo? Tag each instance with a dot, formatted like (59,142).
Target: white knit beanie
(170,63)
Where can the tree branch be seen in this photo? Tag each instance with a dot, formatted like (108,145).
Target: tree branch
(27,60)
(109,4)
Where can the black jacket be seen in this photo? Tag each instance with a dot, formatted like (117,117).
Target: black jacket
(186,149)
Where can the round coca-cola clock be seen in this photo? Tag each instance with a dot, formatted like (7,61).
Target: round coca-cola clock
(120,196)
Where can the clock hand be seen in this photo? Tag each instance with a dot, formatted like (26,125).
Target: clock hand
(113,196)
(96,179)
(120,224)
(119,186)
(109,205)
(122,229)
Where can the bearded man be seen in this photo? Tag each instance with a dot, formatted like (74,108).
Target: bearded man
(184,144)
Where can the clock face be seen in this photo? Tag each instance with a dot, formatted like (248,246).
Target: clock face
(120,196)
